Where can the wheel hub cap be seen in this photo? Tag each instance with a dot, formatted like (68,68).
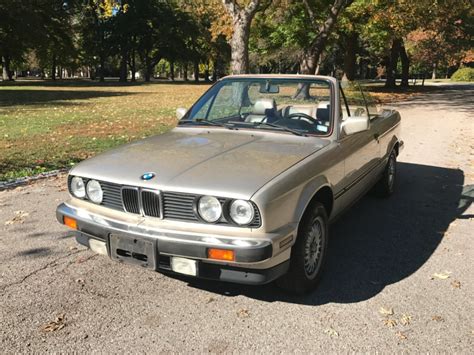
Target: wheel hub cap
(313,248)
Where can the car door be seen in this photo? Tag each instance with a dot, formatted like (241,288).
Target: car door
(361,150)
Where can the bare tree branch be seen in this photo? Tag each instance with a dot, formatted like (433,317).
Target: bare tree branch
(310,12)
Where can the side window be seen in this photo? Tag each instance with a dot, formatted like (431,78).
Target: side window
(372,103)
(343,105)
(356,104)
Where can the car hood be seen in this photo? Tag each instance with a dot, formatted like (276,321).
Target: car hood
(215,161)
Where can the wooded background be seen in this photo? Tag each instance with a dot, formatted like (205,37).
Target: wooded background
(206,39)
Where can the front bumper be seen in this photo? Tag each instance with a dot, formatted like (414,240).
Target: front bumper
(254,262)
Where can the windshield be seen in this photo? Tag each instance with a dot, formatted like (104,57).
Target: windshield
(299,106)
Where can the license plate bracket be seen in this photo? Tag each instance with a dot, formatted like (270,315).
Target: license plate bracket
(133,250)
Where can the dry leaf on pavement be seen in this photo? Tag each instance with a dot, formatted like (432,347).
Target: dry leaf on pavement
(441,275)
(243,313)
(331,332)
(386,311)
(19,218)
(437,318)
(456,284)
(405,319)
(57,324)
(390,322)
(402,335)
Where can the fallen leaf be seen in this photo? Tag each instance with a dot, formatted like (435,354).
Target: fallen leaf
(57,324)
(390,322)
(331,332)
(243,313)
(441,275)
(386,311)
(437,318)
(405,319)
(456,284)
(402,335)
(19,218)
(210,299)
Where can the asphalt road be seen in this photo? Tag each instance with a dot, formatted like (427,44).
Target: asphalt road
(399,276)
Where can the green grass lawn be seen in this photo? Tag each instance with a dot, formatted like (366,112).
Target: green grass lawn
(47,125)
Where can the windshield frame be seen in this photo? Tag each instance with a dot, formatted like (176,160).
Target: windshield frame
(203,99)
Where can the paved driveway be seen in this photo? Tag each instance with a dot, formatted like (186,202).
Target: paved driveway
(399,276)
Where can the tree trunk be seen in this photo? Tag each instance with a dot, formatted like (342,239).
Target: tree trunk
(6,74)
(150,63)
(206,74)
(307,66)
(316,48)
(405,65)
(185,71)
(101,68)
(350,56)
(123,66)
(172,70)
(133,66)
(392,64)
(240,46)
(53,67)
(196,71)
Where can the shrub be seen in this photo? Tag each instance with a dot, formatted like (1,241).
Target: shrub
(463,74)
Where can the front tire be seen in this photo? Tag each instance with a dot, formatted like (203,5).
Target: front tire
(308,254)
(386,184)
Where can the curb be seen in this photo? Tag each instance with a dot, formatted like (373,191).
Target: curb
(10,184)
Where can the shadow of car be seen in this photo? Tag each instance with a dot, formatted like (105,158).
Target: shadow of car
(380,242)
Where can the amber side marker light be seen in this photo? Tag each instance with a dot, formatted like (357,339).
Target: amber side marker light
(221,254)
(70,222)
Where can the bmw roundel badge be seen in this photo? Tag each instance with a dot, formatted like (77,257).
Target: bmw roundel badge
(148,176)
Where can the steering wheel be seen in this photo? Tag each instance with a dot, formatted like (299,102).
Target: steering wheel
(301,115)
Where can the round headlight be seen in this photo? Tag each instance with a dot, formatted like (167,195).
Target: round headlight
(241,212)
(78,188)
(209,209)
(94,191)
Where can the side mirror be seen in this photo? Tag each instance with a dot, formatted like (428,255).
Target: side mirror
(355,124)
(180,112)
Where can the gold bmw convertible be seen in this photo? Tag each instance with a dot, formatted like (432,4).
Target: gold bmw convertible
(244,188)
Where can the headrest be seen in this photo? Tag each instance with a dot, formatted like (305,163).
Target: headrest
(261,106)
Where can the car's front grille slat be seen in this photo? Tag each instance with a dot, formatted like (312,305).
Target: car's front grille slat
(130,200)
(151,203)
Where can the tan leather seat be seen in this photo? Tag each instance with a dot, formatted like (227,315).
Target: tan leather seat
(320,112)
(262,109)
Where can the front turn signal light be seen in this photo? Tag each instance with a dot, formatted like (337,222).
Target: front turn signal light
(70,222)
(221,254)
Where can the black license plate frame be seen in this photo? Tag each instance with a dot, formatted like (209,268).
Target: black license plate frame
(133,250)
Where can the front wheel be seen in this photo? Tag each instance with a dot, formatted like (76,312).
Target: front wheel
(308,253)
(386,185)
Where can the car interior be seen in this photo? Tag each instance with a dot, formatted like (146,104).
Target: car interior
(306,117)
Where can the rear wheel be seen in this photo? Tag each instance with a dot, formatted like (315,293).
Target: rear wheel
(386,184)
(308,253)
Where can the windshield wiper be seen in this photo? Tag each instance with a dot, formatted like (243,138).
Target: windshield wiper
(266,124)
(201,121)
